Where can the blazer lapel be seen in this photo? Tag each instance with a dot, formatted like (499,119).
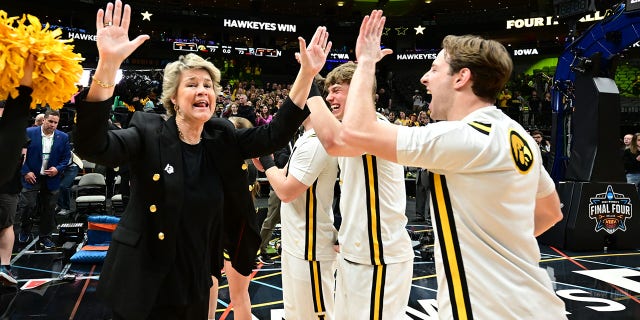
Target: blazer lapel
(171,165)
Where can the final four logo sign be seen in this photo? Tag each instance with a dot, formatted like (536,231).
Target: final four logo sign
(610,210)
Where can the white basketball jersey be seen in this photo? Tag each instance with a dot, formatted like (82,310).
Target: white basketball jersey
(486,173)
(372,204)
(307,222)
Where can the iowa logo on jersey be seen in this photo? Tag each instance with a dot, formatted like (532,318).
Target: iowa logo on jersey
(520,152)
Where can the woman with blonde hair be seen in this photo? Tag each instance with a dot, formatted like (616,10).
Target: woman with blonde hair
(189,195)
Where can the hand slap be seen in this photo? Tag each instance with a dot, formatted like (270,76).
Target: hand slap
(368,43)
(112,28)
(313,56)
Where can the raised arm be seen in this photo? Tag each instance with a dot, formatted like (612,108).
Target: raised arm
(361,129)
(311,59)
(93,141)
(114,46)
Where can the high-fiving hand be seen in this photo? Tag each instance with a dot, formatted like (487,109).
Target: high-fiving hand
(313,56)
(368,43)
(112,27)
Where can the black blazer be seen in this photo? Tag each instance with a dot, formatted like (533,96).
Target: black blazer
(144,243)
(12,131)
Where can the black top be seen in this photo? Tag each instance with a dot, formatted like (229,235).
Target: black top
(12,131)
(145,245)
(631,164)
(201,214)
(13,185)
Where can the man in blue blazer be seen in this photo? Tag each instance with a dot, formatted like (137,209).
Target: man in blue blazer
(48,154)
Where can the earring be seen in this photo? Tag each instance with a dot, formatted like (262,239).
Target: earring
(176,108)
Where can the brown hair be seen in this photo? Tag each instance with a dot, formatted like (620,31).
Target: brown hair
(343,74)
(634,144)
(488,61)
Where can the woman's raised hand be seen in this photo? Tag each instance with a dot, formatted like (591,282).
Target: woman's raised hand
(112,25)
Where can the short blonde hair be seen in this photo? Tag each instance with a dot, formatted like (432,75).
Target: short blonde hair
(173,71)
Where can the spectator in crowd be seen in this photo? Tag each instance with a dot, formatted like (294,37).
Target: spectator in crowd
(626,140)
(470,229)
(232,111)
(534,108)
(503,100)
(413,120)
(631,158)
(402,119)
(384,100)
(520,108)
(423,118)
(281,157)
(545,149)
(263,116)
(246,109)
(66,183)
(423,196)
(418,101)
(38,120)
(48,154)
(546,110)
(391,116)
(149,103)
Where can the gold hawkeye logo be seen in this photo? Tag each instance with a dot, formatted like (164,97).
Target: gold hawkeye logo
(520,152)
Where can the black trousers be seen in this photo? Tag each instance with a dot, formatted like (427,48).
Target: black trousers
(40,201)
(423,195)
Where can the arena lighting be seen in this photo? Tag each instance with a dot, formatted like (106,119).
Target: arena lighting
(427,1)
(340,3)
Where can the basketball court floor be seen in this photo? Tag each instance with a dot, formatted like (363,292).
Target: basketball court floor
(594,285)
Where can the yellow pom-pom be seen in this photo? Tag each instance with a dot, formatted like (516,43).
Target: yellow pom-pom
(57,67)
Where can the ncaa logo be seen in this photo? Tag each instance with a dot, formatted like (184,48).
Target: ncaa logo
(520,152)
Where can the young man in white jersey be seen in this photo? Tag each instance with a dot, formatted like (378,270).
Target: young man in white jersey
(490,194)
(375,264)
(305,186)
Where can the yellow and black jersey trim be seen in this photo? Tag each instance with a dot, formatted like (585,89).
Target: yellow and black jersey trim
(450,248)
(481,127)
(369,163)
(316,289)
(311,208)
(377,291)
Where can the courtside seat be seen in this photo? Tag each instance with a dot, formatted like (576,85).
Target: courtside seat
(99,231)
(91,193)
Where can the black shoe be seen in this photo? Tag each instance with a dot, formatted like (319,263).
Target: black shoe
(45,243)
(265,259)
(6,278)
